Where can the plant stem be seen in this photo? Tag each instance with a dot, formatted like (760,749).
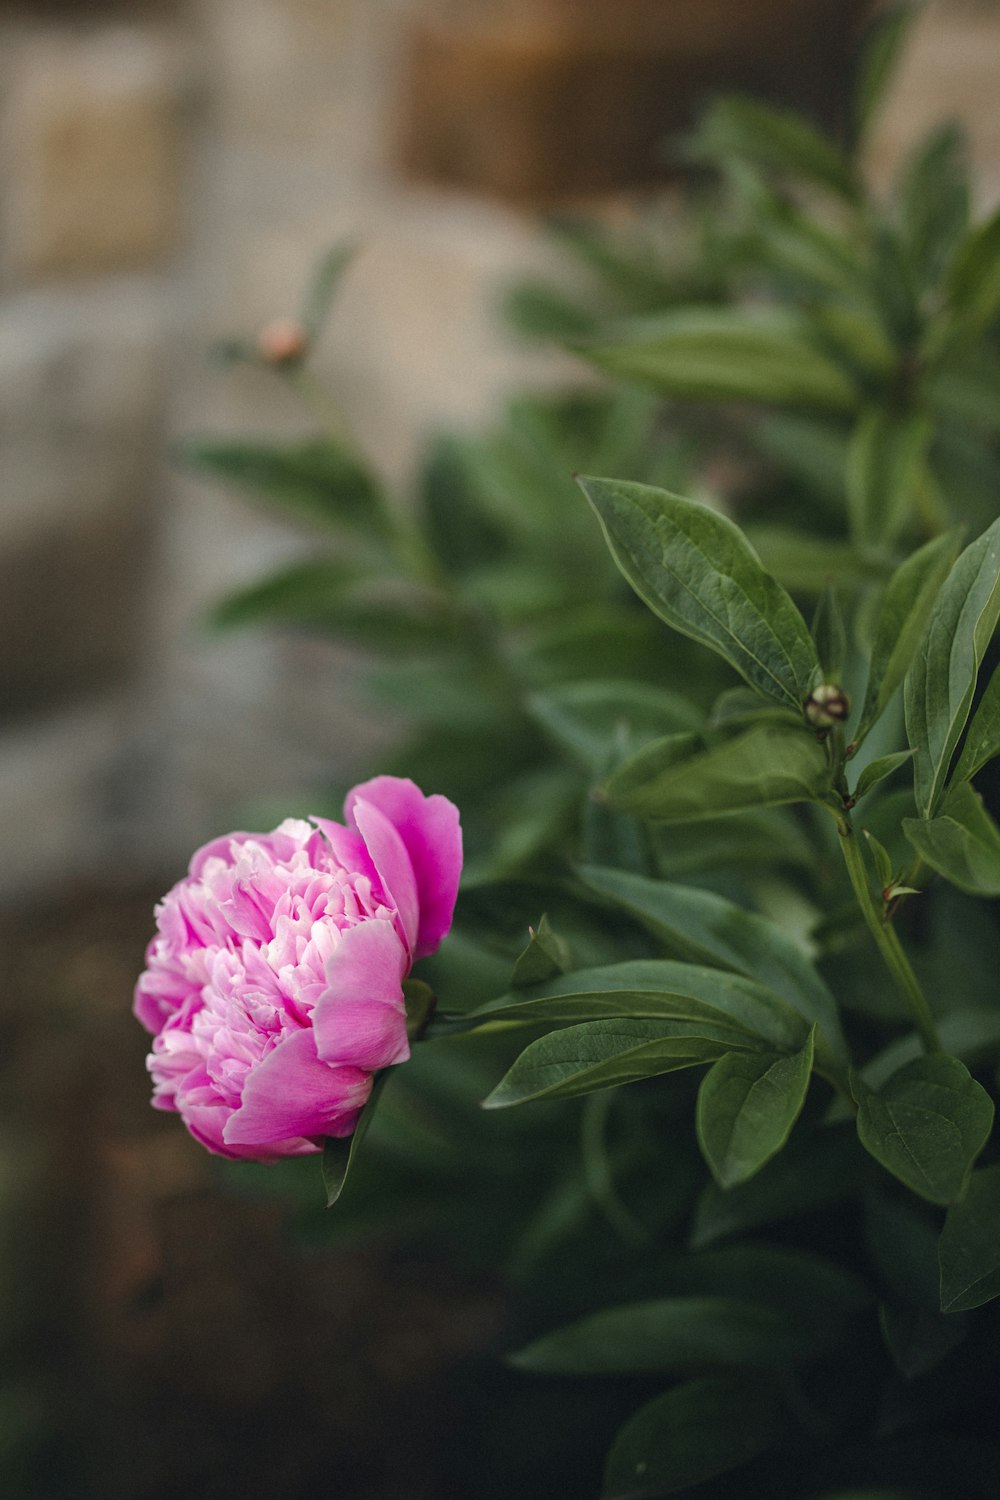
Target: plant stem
(887,939)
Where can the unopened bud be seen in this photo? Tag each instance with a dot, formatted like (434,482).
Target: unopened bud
(283,342)
(827,705)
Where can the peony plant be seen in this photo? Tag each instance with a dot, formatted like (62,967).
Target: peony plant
(723,966)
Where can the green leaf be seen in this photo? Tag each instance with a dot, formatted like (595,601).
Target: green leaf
(883,864)
(883,44)
(982,742)
(776,140)
(918,1339)
(323,286)
(934,200)
(591,719)
(420,1005)
(962,844)
(830,634)
(604,1054)
(654,988)
(974,277)
(665,1336)
(765,767)
(706,1427)
(339,1151)
(808,564)
(884,469)
(815,1169)
(878,770)
(696,570)
(713,354)
(316,481)
(747,1105)
(926,1125)
(969,1249)
(902,622)
(545,956)
(942,679)
(707,929)
(306,593)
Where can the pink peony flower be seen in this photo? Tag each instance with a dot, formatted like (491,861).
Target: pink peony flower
(273,987)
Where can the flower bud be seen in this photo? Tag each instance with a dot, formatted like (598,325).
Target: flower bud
(827,705)
(282,342)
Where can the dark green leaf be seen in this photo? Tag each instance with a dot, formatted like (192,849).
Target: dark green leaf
(969,1251)
(830,634)
(902,622)
(747,1105)
(604,1054)
(315,481)
(673,1334)
(934,200)
(883,864)
(592,719)
(307,593)
(982,742)
(705,928)
(729,354)
(883,44)
(323,286)
(878,770)
(926,1125)
(420,1003)
(545,956)
(942,679)
(653,988)
(974,277)
(814,1170)
(706,1427)
(806,563)
(339,1151)
(962,843)
(884,473)
(776,140)
(739,707)
(766,766)
(918,1340)
(696,570)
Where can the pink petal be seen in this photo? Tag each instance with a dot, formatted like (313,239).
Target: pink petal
(361,1016)
(292,1093)
(392,861)
(429,828)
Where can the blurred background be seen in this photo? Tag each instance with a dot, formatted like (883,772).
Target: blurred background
(170,170)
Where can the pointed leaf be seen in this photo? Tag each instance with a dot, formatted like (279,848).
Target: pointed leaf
(315,481)
(339,1151)
(668,1335)
(815,1169)
(729,354)
(589,719)
(706,1427)
(884,469)
(974,277)
(654,988)
(942,680)
(545,956)
(883,864)
(767,766)
(902,622)
(982,742)
(962,844)
(324,285)
(747,1105)
(696,570)
(605,1054)
(969,1250)
(878,770)
(705,928)
(883,43)
(777,140)
(926,1125)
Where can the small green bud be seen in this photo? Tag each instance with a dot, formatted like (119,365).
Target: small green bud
(827,705)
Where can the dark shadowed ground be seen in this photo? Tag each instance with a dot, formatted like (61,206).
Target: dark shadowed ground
(162,1335)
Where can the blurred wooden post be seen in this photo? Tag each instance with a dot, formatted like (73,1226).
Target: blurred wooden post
(542,99)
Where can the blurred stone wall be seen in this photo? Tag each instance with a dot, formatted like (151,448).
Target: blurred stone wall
(169,171)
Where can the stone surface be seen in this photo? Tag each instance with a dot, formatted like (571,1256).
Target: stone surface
(91,149)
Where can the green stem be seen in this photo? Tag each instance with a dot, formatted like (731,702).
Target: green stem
(887,940)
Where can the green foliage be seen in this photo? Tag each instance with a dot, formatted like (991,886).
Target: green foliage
(805,1020)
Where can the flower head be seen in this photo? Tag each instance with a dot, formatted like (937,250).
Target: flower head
(273,987)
